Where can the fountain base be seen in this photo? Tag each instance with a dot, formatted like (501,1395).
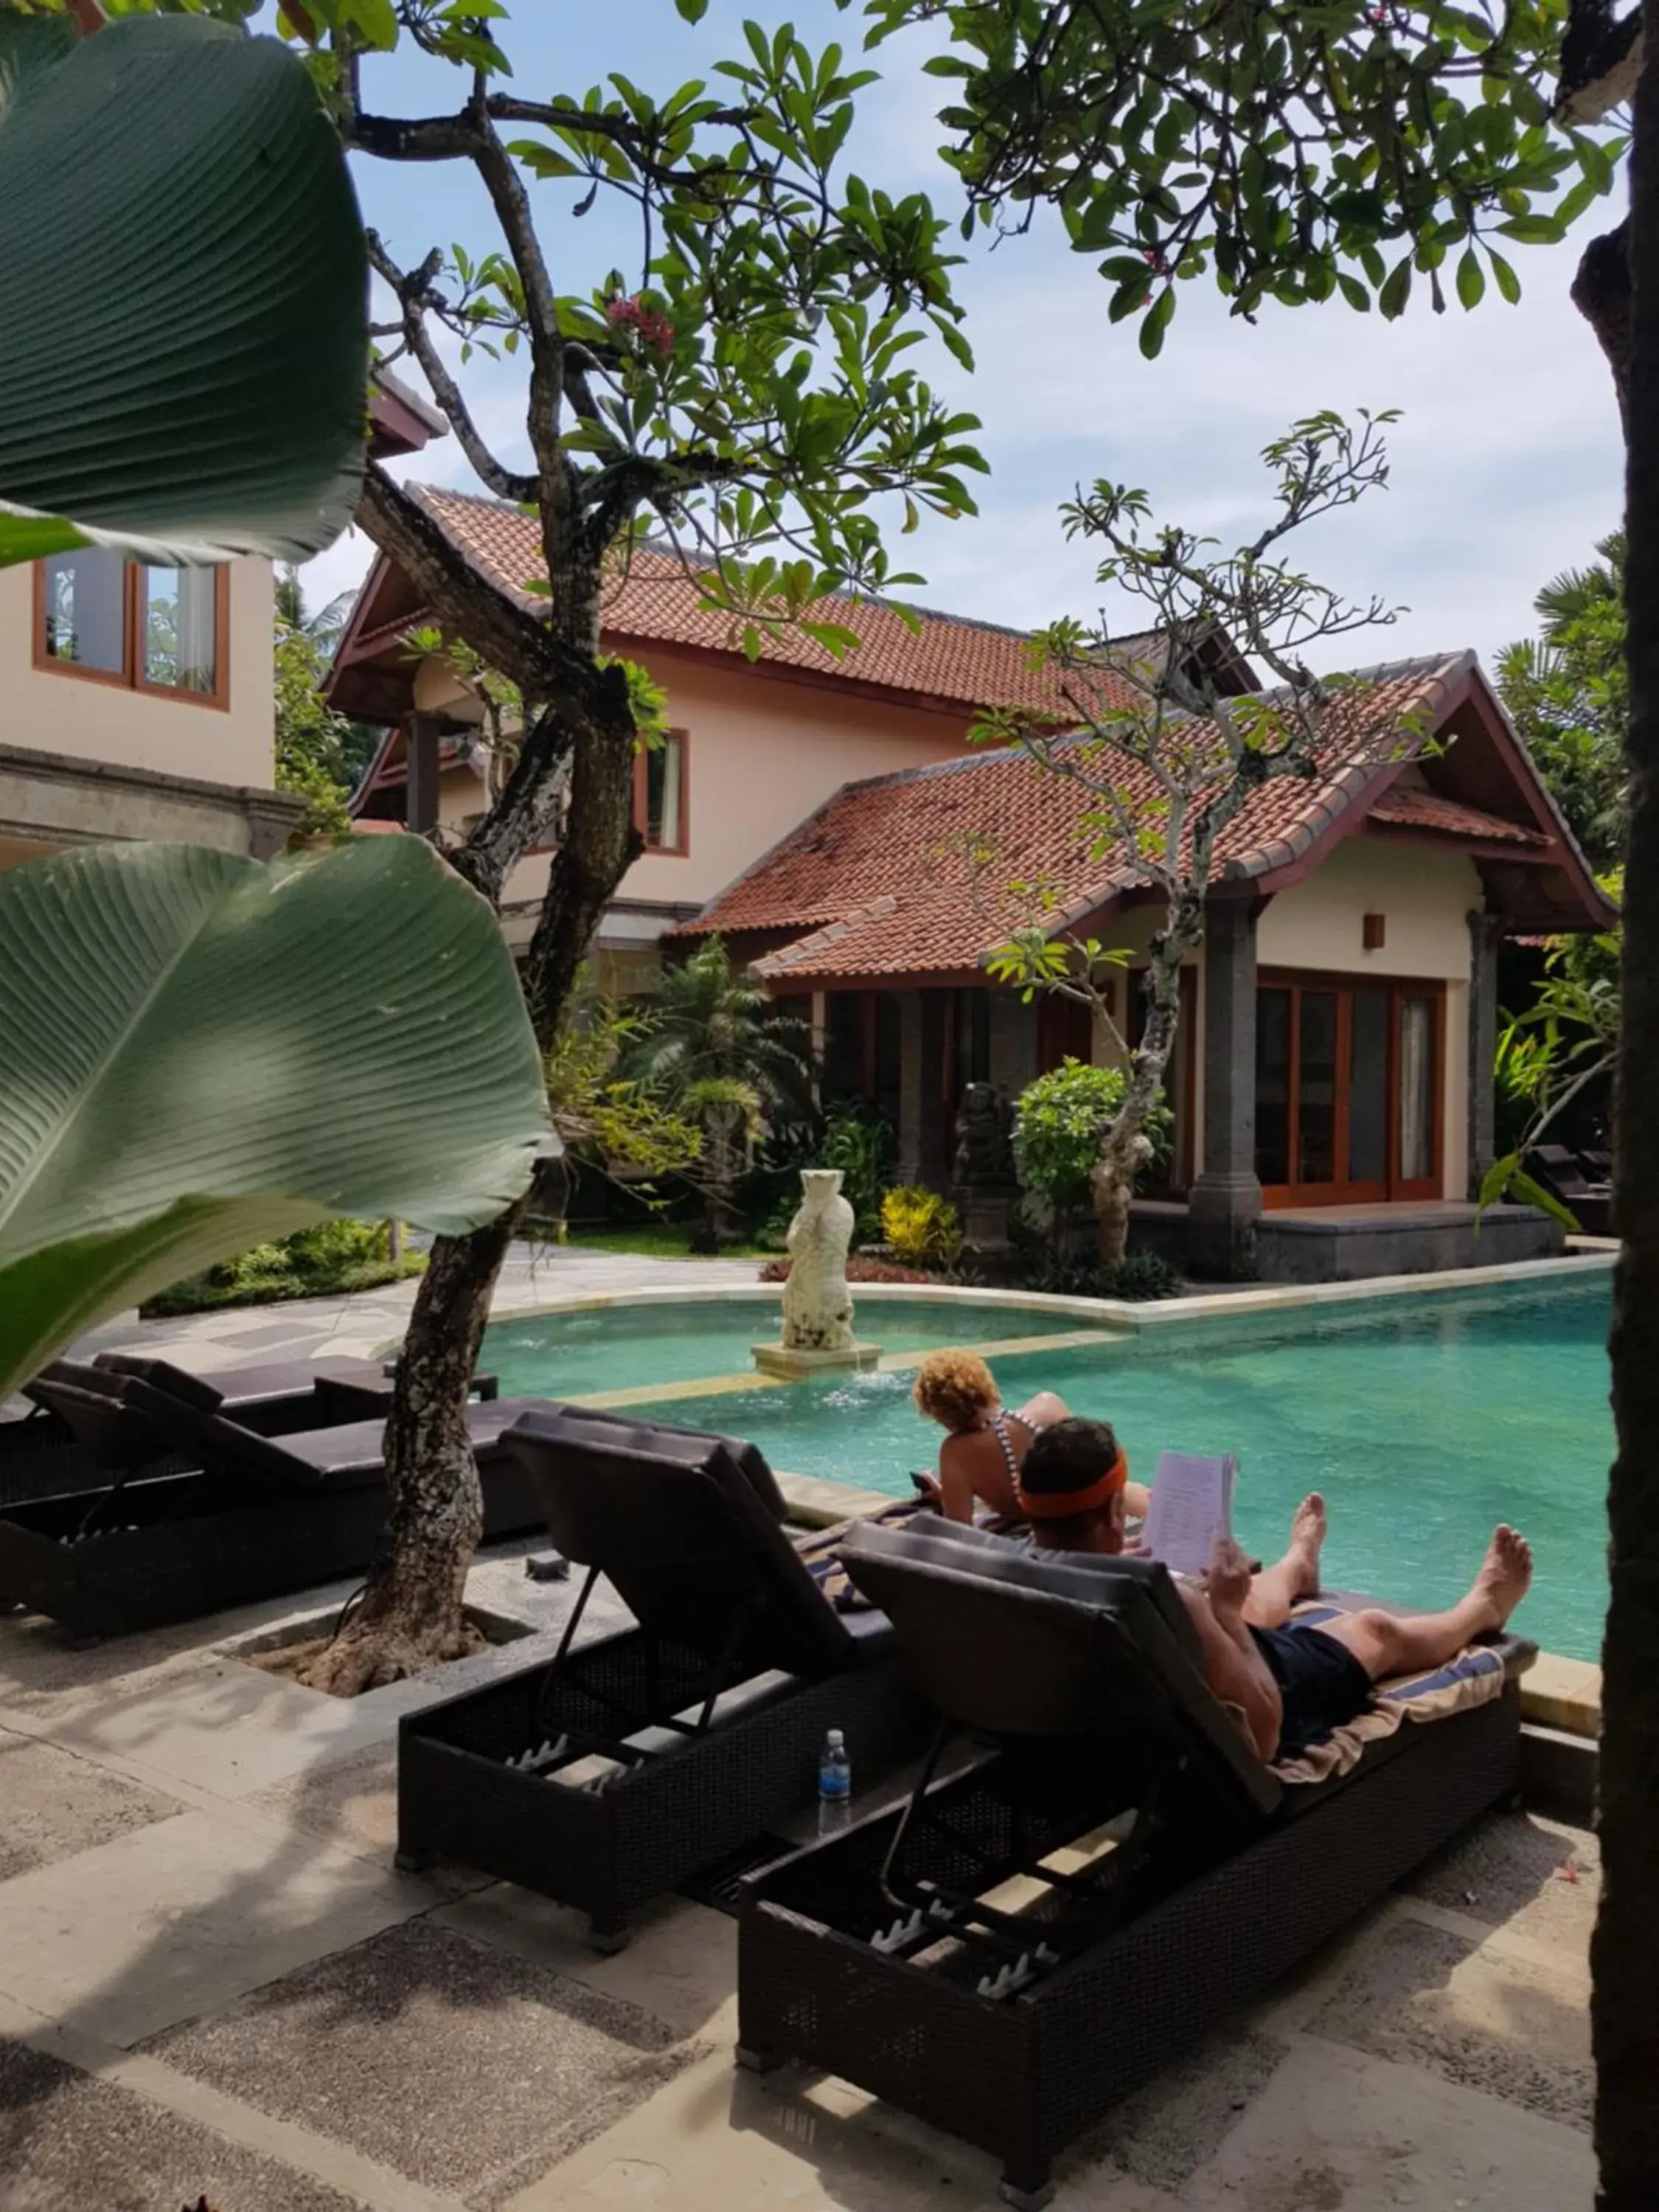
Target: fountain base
(783,1360)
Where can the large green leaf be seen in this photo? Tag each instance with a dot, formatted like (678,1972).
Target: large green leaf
(200,1053)
(184,343)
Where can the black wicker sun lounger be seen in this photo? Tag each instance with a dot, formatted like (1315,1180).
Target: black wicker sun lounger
(252,1515)
(936,1956)
(640,1758)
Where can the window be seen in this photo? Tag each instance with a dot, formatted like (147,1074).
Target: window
(1347,1089)
(660,796)
(123,622)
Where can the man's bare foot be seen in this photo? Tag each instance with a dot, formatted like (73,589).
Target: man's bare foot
(1309,1524)
(1506,1574)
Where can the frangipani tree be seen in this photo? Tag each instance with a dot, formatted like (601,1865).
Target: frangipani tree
(744,392)
(1159,780)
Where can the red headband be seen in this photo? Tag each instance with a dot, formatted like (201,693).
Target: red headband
(1061,1504)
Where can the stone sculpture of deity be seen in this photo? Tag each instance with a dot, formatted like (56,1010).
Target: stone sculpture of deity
(817,1306)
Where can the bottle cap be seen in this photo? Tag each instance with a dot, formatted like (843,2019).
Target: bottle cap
(835,1739)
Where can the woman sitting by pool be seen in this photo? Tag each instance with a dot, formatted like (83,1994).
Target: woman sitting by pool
(986,1445)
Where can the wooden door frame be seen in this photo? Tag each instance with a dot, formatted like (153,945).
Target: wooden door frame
(1394,1189)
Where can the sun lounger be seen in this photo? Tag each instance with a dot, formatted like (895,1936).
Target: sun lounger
(931,1957)
(254,1516)
(642,1757)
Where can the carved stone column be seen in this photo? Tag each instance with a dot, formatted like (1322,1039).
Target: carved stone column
(1225,1203)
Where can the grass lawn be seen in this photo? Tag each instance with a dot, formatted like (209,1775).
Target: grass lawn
(653,1240)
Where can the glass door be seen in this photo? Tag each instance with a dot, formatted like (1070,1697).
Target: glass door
(1347,1089)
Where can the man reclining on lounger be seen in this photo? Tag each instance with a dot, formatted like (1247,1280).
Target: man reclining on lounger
(1291,1684)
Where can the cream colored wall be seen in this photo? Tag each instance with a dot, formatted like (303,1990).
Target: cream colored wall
(54,711)
(1426,898)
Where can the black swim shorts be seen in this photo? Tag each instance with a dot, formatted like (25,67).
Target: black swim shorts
(1321,1682)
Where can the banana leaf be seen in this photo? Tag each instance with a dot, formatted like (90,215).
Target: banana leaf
(201,1053)
(183,348)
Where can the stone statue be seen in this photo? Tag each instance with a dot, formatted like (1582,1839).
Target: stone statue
(984,1139)
(817,1306)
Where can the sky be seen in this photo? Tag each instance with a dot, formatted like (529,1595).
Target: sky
(1506,465)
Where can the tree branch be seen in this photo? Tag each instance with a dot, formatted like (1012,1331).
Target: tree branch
(415,293)
(413,139)
(514,642)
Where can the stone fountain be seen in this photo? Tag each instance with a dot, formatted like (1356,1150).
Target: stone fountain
(817,1306)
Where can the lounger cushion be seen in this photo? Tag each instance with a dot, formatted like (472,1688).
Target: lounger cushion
(1020,1647)
(239,1388)
(747,1458)
(688,1537)
(161,1374)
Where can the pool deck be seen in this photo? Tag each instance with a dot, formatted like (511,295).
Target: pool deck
(213,1981)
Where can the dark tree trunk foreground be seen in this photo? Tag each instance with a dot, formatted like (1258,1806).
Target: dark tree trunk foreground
(1625,1953)
(412,1615)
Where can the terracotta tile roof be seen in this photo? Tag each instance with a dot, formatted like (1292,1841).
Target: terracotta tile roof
(968,663)
(928,852)
(1406,808)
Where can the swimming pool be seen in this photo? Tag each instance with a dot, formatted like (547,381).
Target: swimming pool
(607,1348)
(1423,1420)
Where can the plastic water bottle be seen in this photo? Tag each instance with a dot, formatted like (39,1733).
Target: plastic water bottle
(835,1784)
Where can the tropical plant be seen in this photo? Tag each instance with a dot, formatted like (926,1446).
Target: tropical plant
(602,1117)
(1161,776)
(1568,694)
(919,1226)
(196,387)
(713,1046)
(333,1259)
(863,1147)
(1566,1041)
(319,753)
(190,1068)
(1060,1120)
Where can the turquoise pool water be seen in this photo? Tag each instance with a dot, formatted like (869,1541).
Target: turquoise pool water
(571,1355)
(1423,1423)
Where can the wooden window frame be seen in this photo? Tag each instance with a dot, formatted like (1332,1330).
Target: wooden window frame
(1394,1188)
(641,796)
(129,676)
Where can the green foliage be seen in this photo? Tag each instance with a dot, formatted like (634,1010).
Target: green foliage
(186,346)
(1567,692)
(920,1227)
(1059,1122)
(714,1022)
(202,1053)
(319,753)
(863,1147)
(1139,1275)
(602,1117)
(330,1261)
(1287,154)
(1567,1039)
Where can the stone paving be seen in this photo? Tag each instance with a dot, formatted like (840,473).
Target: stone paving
(213,1981)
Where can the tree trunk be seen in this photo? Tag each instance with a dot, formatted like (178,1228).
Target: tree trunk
(412,1614)
(1125,1148)
(1625,1951)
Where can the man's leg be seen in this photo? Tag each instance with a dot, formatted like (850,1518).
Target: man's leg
(1387,1646)
(1277,1590)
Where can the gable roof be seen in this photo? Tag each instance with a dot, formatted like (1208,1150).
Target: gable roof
(929,659)
(907,874)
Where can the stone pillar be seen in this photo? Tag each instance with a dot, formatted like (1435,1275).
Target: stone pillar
(1225,1201)
(913,1086)
(1485,934)
(936,1141)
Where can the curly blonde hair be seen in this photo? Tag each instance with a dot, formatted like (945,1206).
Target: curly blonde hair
(954,1388)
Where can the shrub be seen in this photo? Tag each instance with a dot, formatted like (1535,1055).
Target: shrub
(919,1228)
(1139,1275)
(862,1148)
(1058,1123)
(860,1269)
(329,1260)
